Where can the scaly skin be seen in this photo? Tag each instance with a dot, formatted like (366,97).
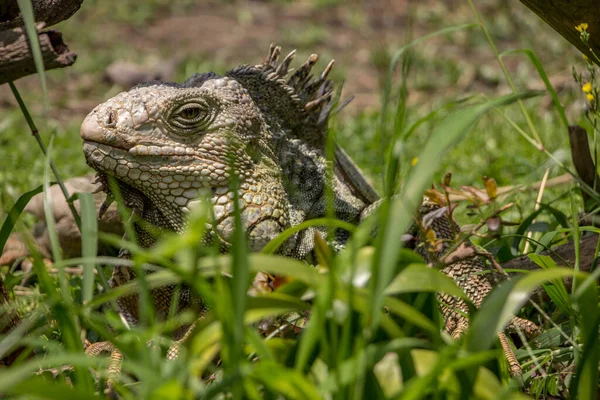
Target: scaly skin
(466,273)
(167,144)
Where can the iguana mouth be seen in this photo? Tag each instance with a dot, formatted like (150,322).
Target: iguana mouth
(149,152)
(133,198)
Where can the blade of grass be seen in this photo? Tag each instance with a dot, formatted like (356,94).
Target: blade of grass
(15,213)
(36,135)
(421,278)
(64,310)
(542,73)
(503,302)
(89,242)
(509,80)
(276,242)
(29,21)
(400,215)
(394,60)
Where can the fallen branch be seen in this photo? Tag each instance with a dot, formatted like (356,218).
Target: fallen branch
(16,59)
(468,193)
(564,16)
(582,159)
(49,11)
(563,256)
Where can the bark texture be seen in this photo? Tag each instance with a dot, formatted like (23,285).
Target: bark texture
(564,15)
(16,58)
(48,11)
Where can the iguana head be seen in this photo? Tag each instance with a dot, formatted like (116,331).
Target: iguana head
(165,143)
(170,140)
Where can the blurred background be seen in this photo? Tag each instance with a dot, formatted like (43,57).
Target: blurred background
(122,42)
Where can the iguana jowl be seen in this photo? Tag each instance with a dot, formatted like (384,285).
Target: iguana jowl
(166,143)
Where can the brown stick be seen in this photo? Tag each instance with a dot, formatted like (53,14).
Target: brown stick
(563,255)
(472,192)
(582,159)
(48,11)
(16,59)
(564,16)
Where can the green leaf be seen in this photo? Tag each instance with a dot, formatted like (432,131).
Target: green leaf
(400,215)
(18,376)
(421,278)
(276,242)
(542,73)
(277,303)
(585,382)
(557,290)
(89,242)
(15,213)
(286,382)
(367,357)
(502,304)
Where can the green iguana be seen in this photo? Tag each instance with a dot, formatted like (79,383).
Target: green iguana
(166,143)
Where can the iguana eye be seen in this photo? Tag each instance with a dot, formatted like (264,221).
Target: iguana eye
(190,113)
(191,116)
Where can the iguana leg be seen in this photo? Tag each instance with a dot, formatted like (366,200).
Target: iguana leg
(529,328)
(468,273)
(515,367)
(115,364)
(173,351)
(462,326)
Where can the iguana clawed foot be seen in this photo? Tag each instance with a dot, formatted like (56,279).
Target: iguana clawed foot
(115,364)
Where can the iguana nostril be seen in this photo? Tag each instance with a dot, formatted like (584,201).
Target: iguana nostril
(111,119)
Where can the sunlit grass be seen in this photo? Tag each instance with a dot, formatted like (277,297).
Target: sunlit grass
(349,347)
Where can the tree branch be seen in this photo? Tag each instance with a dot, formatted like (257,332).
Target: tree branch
(16,59)
(49,11)
(582,159)
(564,15)
(563,255)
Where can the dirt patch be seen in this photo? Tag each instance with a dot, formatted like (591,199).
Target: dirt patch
(361,36)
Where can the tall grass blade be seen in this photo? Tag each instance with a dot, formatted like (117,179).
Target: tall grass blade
(420,278)
(399,218)
(395,58)
(89,242)
(15,213)
(585,381)
(63,306)
(285,382)
(29,20)
(503,302)
(542,73)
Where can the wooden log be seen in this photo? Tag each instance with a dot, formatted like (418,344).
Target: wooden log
(563,255)
(564,15)
(49,11)
(16,58)
(584,164)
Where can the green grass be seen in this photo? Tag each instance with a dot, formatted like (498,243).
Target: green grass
(348,347)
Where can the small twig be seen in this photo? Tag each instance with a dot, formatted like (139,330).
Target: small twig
(480,194)
(538,202)
(36,135)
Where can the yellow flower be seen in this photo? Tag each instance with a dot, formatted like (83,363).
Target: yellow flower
(414,161)
(585,58)
(582,27)
(590,96)
(587,88)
